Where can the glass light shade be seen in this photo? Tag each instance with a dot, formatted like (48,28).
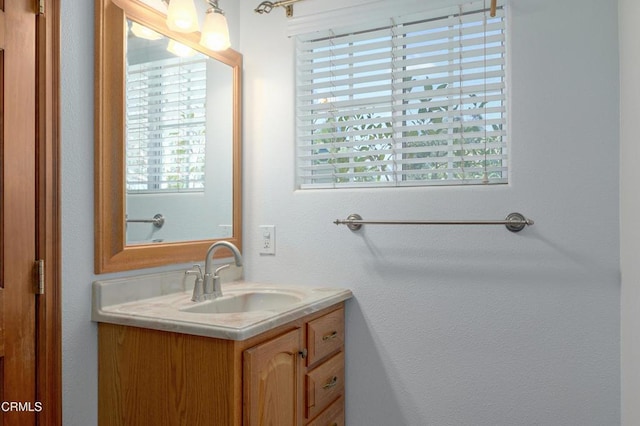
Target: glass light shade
(141,31)
(182,16)
(215,32)
(180,49)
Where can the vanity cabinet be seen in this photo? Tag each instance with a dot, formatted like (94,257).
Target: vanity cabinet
(272,381)
(290,375)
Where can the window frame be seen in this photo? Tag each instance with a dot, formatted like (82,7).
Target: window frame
(495,147)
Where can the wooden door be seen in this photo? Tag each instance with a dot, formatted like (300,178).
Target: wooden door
(273,382)
(18,213)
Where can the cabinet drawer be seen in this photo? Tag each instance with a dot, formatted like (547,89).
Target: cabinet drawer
(324,385)
(332,416)
(325,335)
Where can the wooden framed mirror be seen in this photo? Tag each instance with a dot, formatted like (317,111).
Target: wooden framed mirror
(180,158)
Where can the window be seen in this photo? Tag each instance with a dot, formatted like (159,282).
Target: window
(166,108)
(415,100)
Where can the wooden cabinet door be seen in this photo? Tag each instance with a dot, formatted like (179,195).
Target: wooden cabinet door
(273,382)
(17,213)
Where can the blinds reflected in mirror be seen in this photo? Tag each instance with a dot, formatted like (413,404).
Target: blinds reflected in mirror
(165,118)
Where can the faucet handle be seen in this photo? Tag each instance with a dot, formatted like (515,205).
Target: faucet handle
(197,273)
(198,286)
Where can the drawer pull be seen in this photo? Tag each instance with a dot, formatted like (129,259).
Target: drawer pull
(331,383)
(330,336)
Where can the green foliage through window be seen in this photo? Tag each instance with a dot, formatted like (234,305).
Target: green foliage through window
(422,104)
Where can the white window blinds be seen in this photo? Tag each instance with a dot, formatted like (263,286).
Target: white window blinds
(166,124)
(419,100)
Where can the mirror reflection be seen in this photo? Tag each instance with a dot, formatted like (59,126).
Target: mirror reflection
(179,141)
(168,115)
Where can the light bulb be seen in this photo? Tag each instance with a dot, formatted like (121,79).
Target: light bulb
(182,16)
(215,31)
(180,49)
(141,31)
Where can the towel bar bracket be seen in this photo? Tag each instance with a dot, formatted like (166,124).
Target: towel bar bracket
(157,221)
(516,222)
(354,226)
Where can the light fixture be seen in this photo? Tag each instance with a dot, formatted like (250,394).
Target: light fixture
(182,16)
(143,32)
(215,31)
(180,49)
(267,6)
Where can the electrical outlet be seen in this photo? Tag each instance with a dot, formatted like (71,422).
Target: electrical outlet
(268,239)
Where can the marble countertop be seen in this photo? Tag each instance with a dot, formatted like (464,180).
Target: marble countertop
(155,301)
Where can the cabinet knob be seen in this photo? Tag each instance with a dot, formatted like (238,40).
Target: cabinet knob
(303,353)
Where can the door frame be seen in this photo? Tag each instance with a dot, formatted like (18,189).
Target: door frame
(48,305)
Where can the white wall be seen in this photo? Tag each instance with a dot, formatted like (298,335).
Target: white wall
(464,326)
(79,347)
(629,13)
(449,326)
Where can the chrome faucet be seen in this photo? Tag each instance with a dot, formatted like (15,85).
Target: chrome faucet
(208,287)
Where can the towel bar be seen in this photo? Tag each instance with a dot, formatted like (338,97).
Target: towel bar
(514,222)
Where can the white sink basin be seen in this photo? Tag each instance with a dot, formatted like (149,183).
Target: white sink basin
(163,302)
(245,302)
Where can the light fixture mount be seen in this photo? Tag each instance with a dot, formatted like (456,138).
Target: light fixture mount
(213,7)
(267,7)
